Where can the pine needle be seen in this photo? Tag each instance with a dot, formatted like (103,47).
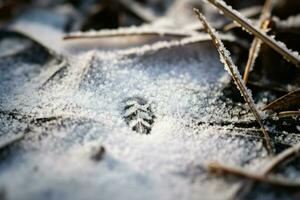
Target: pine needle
(289,55)
(233,71)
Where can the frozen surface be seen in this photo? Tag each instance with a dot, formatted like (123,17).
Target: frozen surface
(69,106)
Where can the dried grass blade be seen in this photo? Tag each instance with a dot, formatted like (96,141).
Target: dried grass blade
(292,152)
(289,55)
(233,71)
(288,154)
(288,101)
(220,168)
(289,114)
(255,46)
(125,32)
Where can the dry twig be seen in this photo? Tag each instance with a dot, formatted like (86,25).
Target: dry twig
(233,71)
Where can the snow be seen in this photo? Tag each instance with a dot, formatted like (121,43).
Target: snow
(182,84)
(85,91)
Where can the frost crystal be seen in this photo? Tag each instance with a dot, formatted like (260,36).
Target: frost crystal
(82,105)
(138,115)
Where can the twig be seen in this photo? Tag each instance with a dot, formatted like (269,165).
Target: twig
(246,24)
(219,168)
(233,71)
(255,46)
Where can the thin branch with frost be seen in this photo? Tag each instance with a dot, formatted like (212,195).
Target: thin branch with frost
(131,31)
(256,43)
(55,71)
(233,71)
(280,182)
(171,44)
(280,47)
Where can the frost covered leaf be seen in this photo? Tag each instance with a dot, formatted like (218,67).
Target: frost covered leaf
(14,44)
(233,71)
(138,114)
(21,60)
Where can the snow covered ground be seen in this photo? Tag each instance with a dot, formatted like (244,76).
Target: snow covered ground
(83,94)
